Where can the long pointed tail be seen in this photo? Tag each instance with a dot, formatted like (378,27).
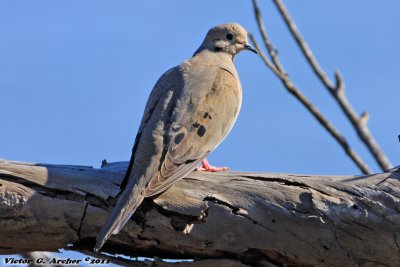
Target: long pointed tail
(126,205)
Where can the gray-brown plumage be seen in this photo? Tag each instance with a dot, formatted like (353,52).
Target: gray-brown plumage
(189,112)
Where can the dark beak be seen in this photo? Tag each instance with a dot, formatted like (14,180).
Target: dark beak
(250,48)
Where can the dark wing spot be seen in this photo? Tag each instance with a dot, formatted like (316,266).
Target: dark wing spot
(196,125)
(201,131)
(205,115)
(179,138)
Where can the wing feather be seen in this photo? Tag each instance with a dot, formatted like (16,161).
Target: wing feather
(196,134)
(169,80)
(145,150)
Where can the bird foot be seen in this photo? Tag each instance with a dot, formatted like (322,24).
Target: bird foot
(206,167)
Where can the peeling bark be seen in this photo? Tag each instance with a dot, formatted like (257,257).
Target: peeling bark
(228,219)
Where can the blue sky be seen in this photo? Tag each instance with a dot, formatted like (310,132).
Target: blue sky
(75,76)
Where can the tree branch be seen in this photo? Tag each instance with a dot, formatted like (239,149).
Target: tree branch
(278,69)
(238,219)
(337,91)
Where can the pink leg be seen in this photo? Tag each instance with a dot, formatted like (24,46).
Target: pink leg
(206,167)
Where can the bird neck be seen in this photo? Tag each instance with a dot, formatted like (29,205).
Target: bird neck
(206,51)
(211,58)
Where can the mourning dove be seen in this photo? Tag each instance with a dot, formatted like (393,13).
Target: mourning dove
(190,110)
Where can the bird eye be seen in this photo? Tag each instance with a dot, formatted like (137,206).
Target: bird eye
(229,36)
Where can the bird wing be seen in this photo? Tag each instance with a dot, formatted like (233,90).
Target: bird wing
(200,122)
(171,80)
(187,115)
(144,154)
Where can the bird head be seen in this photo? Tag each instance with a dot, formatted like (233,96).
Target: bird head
(227,38)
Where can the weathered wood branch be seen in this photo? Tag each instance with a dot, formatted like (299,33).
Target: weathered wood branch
(235,218)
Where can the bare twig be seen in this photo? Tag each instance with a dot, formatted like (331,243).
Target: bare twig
(337,91)
(279,71)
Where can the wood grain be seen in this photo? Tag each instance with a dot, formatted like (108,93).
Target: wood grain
(256,219)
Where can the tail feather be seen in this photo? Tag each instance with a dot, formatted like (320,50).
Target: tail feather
(126,205)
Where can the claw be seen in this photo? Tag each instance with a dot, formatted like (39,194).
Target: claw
(206,167)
